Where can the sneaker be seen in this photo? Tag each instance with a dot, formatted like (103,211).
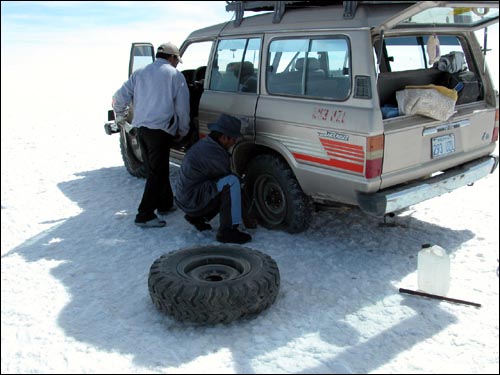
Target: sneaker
(154,223)
(198,222)
(167,211)
(232,235)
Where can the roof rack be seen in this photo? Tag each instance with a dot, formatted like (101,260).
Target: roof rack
(279,7)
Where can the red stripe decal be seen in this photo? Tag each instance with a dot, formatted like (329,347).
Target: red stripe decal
(336,149)
(344,156)
(347,151)
(331,162)
(329,142)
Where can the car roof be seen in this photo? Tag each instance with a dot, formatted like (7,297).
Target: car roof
(309,18)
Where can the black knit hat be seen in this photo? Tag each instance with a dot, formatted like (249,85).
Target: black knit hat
(227,125)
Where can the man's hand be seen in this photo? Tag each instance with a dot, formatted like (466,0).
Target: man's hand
(121,121)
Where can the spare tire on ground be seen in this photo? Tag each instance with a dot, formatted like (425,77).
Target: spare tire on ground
(213,284)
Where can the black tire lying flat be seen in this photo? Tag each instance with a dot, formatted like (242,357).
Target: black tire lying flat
(213,284)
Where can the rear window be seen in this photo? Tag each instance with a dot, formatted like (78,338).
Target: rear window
(412,52)
(423,60)
(309,67)
(453,17)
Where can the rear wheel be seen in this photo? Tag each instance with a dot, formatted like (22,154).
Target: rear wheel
(132,154)
(278,200)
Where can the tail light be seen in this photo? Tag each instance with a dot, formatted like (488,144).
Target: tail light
(375,155)
(494,138)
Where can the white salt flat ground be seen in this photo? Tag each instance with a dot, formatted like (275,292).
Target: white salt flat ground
(74,295)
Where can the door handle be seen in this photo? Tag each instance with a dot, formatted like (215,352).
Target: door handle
(245,125)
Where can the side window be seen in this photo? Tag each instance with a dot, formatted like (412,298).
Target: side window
(195,55)
(411,52)
(141,61)
(194,63)
(310,68)
(141,54)
(236,65)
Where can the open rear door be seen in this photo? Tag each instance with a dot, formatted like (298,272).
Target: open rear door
(420,146)
(443,15)
(141,54)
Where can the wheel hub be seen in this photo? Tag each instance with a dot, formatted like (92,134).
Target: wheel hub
(271,200)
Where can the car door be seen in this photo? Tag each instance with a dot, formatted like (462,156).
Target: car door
(443,14)
(232,87)
(141,54)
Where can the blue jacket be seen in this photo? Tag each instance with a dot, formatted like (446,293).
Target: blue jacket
(203,165)
(158,92)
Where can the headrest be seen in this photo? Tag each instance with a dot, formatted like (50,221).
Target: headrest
(312,64)
(247,69)
(235,68)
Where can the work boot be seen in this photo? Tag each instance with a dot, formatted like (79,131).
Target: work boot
(198,222)
(232,235)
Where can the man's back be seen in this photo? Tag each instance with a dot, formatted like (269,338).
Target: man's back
(205,162)
(158,91)
(155,89)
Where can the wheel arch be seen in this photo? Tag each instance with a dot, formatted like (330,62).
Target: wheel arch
(245,152)
(277,198)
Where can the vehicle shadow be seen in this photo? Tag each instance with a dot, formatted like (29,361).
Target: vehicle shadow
(336,279)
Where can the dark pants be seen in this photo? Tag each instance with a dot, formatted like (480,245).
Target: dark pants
(221,205)
(155,145)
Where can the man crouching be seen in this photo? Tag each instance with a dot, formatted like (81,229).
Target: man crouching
(206,185)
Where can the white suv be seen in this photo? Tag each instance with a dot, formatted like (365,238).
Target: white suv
(337,105)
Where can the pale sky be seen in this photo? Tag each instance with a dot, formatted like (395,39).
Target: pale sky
(28,22)
(99,33)
(86,45)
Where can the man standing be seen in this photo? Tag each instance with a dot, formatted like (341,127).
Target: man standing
(160,98)
(206,185)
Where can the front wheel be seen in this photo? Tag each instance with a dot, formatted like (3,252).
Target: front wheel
(132,154)
(278,200)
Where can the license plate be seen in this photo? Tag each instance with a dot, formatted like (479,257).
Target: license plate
(443,145)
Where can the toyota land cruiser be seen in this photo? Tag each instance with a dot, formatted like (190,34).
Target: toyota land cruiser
(320,90)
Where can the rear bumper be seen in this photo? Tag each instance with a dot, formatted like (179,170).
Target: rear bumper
(398,198)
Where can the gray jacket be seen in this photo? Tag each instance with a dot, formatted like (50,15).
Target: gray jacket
(203,165)
(159,92)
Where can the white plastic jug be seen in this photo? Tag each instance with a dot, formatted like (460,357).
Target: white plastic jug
(433,267)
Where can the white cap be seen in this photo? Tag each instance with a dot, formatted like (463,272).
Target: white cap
(170,49)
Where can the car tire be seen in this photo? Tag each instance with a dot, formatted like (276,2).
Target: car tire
(277,199)
(132,154)
(213,284)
